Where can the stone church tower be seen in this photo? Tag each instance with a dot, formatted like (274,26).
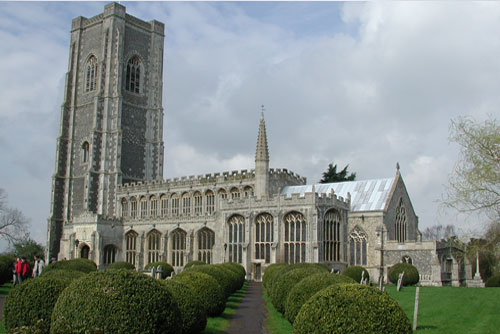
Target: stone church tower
(111,118)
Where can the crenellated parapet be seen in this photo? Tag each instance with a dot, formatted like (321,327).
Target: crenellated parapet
(286,175)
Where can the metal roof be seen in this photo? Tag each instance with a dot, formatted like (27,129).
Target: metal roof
(367,195)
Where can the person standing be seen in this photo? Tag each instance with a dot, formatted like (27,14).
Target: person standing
(23,269)
(16,278)
(38,266)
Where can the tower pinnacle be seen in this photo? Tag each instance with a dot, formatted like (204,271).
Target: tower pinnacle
(262,152)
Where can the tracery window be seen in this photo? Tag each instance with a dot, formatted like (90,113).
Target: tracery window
(144,206)
(235,193)
(154,238)
(85,152)
(210,201)
(91,74)
(133,75)
(197,203)
(133,207)
(153,205)
(164,205)
(124,207)
(131,247)
(109,254)
(236,238)
(357,247)
(331,236)
(294,238)
(175,205)
(264,236)
(186,204)
(401,225)
(247,192)
(178,247)
(206,240)
(222,194)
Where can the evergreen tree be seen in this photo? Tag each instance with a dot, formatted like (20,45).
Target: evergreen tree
(332,176)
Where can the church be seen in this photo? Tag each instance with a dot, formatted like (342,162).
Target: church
(109,201)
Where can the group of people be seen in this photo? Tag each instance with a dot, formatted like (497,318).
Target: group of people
(22,269)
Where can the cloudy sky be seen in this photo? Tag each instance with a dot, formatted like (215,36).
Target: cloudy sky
(364,84)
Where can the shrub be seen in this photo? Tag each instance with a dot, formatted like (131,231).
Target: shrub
(30,303)
(411,276)
(116,301)
(208,291)
(356,272)
(219,274)
(307,287)
(493,281)
(238,270)
(120,265)
(351,308)
(286,282)
(269,274)
(194,263)
(283,270)
(6,268)
(234,278)
(83,265)
(61,273)
(193,315)
(166,268)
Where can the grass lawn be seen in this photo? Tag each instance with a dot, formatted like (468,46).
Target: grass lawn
(218,324)
(446,310)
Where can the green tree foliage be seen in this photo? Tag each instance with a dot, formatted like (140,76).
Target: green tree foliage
(28,248)
(331,175)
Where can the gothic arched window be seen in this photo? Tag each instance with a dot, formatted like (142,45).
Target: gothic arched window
(206,240)
(197,203)
(235,193)
(164,205)
(294,237)
(357,245)
(153,206)
(124,207)
(85,152)
(131,247)
(210,202)
(175,205)
(264,236)
(144,206)
(331,236)
(186,204)
(91,74)
(133,75)
(401,224)
(236,238)
(109,254)
(154,238)
(133,207)
(178,247)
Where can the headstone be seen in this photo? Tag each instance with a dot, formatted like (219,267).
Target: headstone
(362,277)
(400,280)
(415,310)
(159,271)
(153,272)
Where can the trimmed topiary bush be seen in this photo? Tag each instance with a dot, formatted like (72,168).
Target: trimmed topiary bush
(61,273)
(284,269)
(493,281)
(269,274)
(120,265)
(193,315)
(83,265)
(411,276)
(194,263)
(234,278)
(6,268)
(284,284)
(307,287)
(167,269)
(116,301)
(356,272)
(351,308)
(30,303)
(208,291)
(238,270)
(219,274)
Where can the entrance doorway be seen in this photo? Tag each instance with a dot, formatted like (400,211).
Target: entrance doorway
(258,272)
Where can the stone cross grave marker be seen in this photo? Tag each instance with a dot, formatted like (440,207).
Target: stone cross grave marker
(400,280)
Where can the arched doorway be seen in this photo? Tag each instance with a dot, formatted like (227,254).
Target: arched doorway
(84,252)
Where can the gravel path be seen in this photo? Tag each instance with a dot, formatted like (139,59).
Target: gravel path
(250,316)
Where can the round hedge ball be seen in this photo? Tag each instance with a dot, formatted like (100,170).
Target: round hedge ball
(116,301)
(83,265)
(351,309)
(61,273)
(236,268)
(166,268)
(219,274)
(194,263)
(193,315)
(306,288)
(356,272)
(120,265)
(208,291)
(411,276)
(284,284)
(269,273)
(31,303)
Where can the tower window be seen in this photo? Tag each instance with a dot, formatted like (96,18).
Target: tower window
(133,75)
(85,152)
(401,225)
(91,74)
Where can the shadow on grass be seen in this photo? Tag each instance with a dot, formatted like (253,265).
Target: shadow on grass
(5,289)
(217,325)
(420,328)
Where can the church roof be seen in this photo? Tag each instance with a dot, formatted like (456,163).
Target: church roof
(367,195)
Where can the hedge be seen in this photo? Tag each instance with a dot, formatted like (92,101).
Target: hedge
(83,265)
(116,301)
(61,273)
(193,315)
(351,308)
(234,277)
(194,263)
(411,276)
(208,291)
(283,270)
(284,283)
(167,269)
(356,272)
(493,281)
(269,273)
(31,303)
(307,287)
(6,268)
(120,265)
(238,269)
(219,274)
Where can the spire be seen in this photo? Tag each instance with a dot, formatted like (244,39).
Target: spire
(262,152)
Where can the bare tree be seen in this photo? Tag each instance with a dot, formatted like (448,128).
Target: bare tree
(13,224)
(438,232)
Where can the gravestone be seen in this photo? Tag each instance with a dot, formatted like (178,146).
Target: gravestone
(153,272)
(400,280)
(159,271)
